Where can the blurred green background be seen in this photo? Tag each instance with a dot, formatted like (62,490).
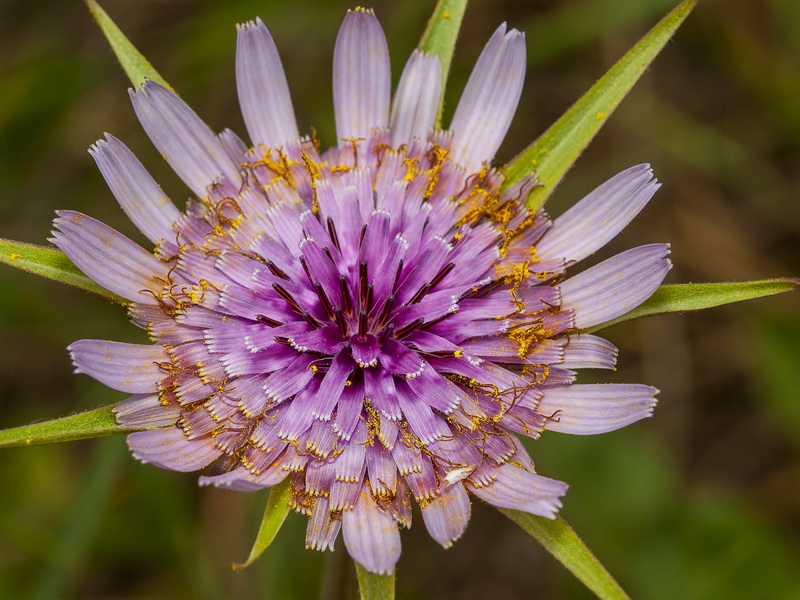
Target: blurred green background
(701,502)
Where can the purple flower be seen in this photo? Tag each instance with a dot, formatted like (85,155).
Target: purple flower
(374,322)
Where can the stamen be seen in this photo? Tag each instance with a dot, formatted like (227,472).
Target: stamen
(305,267)
(275,270)
(420,293)
(340,321)
(397,275)
(347,301)
(444,272)
(387,307)
(362,282)
(362,324)
(327,252)
(267,321)
(287,296)
(370,296)
(333,234)
(311,320)
(323,298)
(406,329)
(363,233)
(386,333)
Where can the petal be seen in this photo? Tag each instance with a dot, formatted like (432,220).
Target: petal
(136,191)
(371,535)
(108,257)
(189,146)
(169,449)
(600,216)
(262,87)
(518,489)
(589,352)
(416,101)
(361,76)
(145,411)
(322,530)
(616,285)
(132,368)
(447,515)
(595,408)
(490,100)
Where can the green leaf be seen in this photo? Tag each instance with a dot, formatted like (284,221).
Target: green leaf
(50,263)
(440,37)
(555,151)
(99,422)
(697,296)
(372,586)
(136,66)
(274,515)
(560,540)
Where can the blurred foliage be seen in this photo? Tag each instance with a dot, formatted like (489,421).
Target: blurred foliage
(699,503)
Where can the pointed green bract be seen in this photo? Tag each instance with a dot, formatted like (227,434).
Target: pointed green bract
(555,151)
(440,37)
(274,516)
(136,66)
(372,586)
(560,540)
(696,296)
(50,263)
(99,422)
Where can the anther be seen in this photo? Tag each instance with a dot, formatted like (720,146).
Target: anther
(363,233)
(275,270)
(362,281)
(406,329)
(386,333)
(420,293)
(333,234)
(311,320)
(397,275)
(267,321)
(443,272)
(327,252)
(347,301)
(362,324)
(323,298)
(340,321)
(387,307)
(287,296)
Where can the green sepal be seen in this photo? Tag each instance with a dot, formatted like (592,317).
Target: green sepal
(50,263)
(440,37)
(136,66)
(697,296)
(557,149)
(560,540)
(372,586)
(274,515)
(99,422)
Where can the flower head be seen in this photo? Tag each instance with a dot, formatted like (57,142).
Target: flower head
(376,321)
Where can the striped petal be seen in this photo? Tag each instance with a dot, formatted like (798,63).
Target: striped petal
(595,408)
(361,76)
(416,101)
(169,449)
(263,90)
(518,489)
(136,191)
(490,100)
(132,368)
(189,146)
(370,535)
(616,285)
(447,515)
(599,217)
(108,257)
